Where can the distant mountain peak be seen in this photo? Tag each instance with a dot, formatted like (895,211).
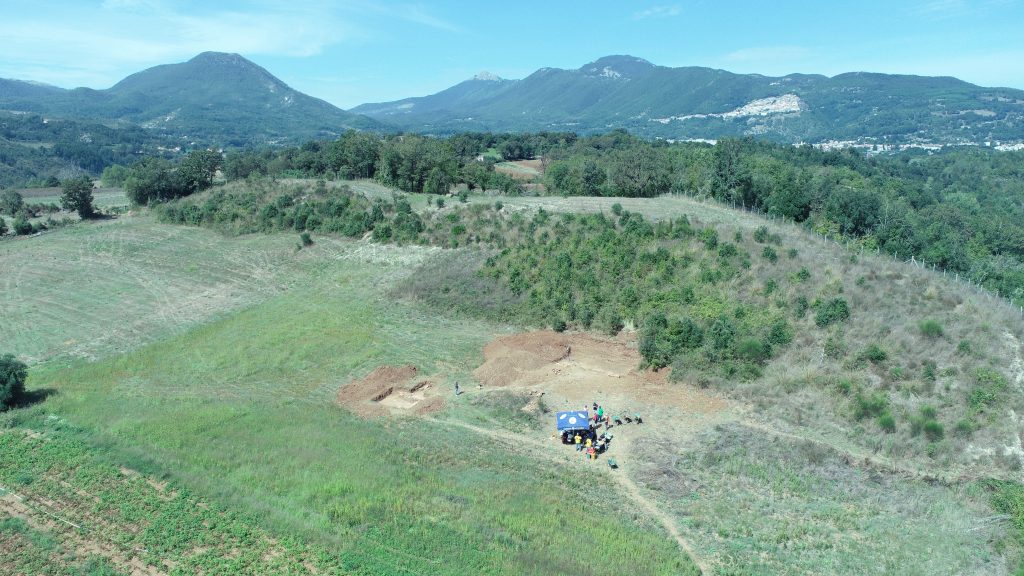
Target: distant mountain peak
(487,76)
(616,67)
(230,58)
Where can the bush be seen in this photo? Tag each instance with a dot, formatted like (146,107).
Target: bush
(870,406)
(306,239)
(800,306)
(874,354)
(887,422)
(709,236)
(931,328)
(933,430)
(753,350)
(761,234)
(22,226)
(770,254)
(12,380)
(835,347)
(965,427)
(832,311)
(11,202)
(989,389)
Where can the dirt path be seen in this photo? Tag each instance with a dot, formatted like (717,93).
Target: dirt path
(629,488)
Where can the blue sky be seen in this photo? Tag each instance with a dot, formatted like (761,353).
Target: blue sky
(350,52)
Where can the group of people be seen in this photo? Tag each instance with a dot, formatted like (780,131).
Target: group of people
(588,440)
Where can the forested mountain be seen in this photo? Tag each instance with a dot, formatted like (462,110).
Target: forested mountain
(214,98)
(695,102)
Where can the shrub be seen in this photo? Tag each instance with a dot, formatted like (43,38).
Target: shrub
(934,430)
(965,427)
(989,389)
(770,285)
(780,334)
(770,254)
(753,350)
(931,328)
(792,253)
(558,325)
(929,371)
(761,234)
(870,406)
(875,354)
(709,236)
(727,250)
(887,422)
(12,380)
(306,239)
(802,275)
(800,306)
(835,347)
(498,206)
(3,227)
(21,225)
(617,209)
(832,311)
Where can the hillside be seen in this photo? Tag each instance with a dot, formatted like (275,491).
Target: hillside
(695,102)
(214,98)
(267,392)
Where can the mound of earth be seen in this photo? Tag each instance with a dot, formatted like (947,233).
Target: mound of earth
(577,369)
(390,390)
(508,358)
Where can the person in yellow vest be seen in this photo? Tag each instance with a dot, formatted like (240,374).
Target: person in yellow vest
(578,440)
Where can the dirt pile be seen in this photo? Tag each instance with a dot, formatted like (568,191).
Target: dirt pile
(508,358)
(390,390)
(576,369)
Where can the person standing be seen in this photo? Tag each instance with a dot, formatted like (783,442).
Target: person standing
(457,391)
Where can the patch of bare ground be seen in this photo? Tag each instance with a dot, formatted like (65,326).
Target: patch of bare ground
(391,390)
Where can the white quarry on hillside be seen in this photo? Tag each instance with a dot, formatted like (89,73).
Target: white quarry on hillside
(487,76)
(772,105)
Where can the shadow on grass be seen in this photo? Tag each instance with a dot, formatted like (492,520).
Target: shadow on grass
(33,397)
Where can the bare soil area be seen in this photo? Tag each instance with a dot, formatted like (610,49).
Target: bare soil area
(391,390)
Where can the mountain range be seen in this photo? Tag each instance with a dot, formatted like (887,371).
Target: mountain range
(214,98)
(705,103)
(226,100)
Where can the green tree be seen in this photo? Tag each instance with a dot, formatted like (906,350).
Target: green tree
(3,226)
(76,194)
(21,224)
(115,175)
(11,202)
(197,171)
(12,380)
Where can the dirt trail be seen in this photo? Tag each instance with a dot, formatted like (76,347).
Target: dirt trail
(629,488)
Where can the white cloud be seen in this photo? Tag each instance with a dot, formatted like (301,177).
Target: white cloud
(95,48)
(657,12)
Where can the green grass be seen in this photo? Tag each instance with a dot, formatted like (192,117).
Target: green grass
(240,411)
(765,506)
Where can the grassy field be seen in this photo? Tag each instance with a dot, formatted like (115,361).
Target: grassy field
(212,362)
(237,406)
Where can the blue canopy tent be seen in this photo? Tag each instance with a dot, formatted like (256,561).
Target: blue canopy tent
(573,420)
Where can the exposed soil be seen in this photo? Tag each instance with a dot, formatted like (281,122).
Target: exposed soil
(391,390)
(578,369)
